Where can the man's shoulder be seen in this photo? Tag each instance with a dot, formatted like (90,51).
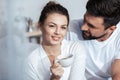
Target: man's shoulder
(76,22)
(75,25)
(74,31)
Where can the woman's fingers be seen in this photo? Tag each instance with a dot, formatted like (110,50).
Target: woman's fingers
(57,70)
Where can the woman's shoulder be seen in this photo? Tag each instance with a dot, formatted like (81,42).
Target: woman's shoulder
(34,55)
(74,46)
(73,43)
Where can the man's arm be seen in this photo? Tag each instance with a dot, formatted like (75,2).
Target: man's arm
(116,70)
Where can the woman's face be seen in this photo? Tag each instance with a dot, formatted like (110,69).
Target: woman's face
(54,29)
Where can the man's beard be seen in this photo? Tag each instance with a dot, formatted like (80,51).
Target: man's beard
(90,37)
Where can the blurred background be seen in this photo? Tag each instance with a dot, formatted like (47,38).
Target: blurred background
(19,34)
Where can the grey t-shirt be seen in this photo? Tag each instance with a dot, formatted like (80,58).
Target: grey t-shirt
(73,29)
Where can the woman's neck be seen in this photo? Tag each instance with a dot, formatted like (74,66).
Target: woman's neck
(53,50)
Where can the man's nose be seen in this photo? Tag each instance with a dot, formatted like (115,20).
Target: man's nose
(84,27)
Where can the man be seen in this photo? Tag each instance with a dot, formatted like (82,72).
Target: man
(101,31)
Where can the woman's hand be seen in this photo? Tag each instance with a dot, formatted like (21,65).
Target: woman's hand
(57,71)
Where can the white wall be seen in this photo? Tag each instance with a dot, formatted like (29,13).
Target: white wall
(32,8)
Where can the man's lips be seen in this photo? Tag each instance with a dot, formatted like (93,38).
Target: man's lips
(86,33)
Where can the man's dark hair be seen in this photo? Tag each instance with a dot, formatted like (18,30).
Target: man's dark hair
(108,9)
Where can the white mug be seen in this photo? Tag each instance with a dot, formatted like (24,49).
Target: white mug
(65,60)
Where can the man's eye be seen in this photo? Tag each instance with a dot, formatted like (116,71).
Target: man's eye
(90,26)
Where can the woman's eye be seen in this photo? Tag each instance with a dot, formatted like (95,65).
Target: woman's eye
(51,25)
(64,27)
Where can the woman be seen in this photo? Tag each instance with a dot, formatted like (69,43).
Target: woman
(41,63)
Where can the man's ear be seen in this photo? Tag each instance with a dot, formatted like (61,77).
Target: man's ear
(112,28)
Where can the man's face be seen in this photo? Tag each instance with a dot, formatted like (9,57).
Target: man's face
(93,27)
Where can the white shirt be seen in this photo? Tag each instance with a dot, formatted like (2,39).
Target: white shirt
(38,64)
(100,55)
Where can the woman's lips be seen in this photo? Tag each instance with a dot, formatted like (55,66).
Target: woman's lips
(56,38)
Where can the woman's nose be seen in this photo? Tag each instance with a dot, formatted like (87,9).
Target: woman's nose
(57,31)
